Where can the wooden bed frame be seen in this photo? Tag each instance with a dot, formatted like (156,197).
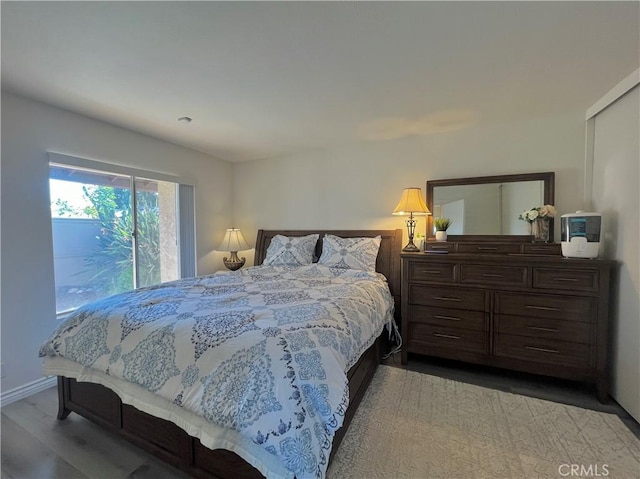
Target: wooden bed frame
(173,445)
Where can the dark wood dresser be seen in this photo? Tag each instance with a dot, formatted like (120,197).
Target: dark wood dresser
(515,306)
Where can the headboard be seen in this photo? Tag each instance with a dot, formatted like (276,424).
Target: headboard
(387,263)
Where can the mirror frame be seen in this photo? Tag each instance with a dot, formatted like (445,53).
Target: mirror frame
(547,178)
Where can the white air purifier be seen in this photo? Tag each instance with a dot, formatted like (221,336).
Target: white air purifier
(580,237)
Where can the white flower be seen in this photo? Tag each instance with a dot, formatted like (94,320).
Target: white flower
(544,211)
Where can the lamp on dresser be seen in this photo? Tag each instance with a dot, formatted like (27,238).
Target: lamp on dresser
(233,242)
(411,203)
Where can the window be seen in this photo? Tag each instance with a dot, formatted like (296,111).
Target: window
(113,232)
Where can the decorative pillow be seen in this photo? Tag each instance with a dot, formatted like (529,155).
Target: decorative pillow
(350,253)
(291,250)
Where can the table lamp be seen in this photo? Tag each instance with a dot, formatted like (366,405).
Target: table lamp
(233,242)
(411,203)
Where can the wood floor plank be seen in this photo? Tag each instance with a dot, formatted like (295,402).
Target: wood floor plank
(46,401)
(87,447)
(25,457)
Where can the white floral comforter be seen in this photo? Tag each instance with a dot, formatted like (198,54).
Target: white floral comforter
(262,351)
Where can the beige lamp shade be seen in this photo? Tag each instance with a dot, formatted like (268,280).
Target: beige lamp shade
(411,202)
(233,241)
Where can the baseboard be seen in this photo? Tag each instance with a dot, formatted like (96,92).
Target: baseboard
(27,390)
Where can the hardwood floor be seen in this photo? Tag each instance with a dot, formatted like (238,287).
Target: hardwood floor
(35,445)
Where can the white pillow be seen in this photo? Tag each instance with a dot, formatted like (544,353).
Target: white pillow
(291,250)
(350,253)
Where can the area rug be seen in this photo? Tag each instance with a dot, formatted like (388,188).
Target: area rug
(416,426)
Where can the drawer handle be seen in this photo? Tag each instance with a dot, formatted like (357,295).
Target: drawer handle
(538,248)
(450,318)
(448,336)
(486,248)
(446,298)
(491,275)
(432,271)
(538,328)
(543,308)
(543,350)
(438,247)
(574,280)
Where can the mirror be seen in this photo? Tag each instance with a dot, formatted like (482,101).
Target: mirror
(488,206)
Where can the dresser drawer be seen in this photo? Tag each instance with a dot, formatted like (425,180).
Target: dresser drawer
(560,278)
(491,274)
(542,350)
(446,317)
(448,338)
(542,248)
(432,271)
(571,331)
(439,246)
(459,298)
(569,308)
(484,248)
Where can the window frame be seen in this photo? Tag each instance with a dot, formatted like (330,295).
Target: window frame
(185,198)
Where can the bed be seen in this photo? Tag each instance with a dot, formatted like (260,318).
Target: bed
(167,430)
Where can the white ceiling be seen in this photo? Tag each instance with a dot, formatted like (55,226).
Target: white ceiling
(264,79)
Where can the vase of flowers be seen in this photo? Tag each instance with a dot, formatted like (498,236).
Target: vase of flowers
(539,219)
(441,225)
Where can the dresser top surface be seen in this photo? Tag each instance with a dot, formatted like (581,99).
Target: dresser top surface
(510,258)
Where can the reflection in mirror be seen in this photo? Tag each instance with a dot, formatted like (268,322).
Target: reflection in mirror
(487,209)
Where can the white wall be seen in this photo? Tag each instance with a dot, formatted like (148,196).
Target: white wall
(31,129)
(358,186)
(616,181)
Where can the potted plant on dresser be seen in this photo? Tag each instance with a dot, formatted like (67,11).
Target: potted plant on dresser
(441,225)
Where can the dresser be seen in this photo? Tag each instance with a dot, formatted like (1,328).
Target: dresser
(515,306)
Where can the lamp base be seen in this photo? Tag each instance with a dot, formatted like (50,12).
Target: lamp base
(411,229)
(411,248)
(234,263)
